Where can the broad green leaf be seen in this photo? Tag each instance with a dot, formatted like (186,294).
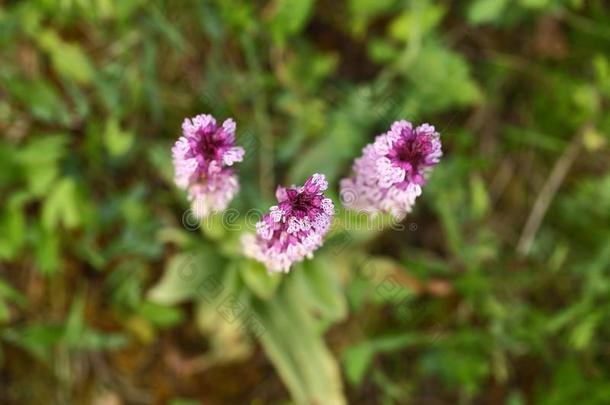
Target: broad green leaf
(217,289)
(297,350)
(318,284)
(223,314)
(184,276)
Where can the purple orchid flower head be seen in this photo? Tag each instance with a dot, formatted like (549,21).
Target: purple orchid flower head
(203,158)
(294,228)
(389,175)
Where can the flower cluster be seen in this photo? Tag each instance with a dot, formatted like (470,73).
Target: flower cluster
(389,175)
(293,229)
(203,157)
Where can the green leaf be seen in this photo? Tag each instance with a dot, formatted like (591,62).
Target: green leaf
(289,18)
(161,315)
(47,246)
(36,339)
(318,284)
(116,140)
(363,11)
(416,23)
(223,313)
(382,51)
(585,330)
(77,335)
(62,206)
(256,277)
(485,11)
(12,226)
(41,98)
(358,357)
(183,277)
(68,59)
(480,199)
(11,294)
(92,340)
(40,159)
(75,323)
(297,350)
(357,360)
(440,79)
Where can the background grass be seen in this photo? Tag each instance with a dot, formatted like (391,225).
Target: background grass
(497,290)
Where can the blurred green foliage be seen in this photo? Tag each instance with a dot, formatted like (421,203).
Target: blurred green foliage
(107,289)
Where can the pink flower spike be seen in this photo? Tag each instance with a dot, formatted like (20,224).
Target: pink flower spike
(293,229)
(202,158)
(391,172)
